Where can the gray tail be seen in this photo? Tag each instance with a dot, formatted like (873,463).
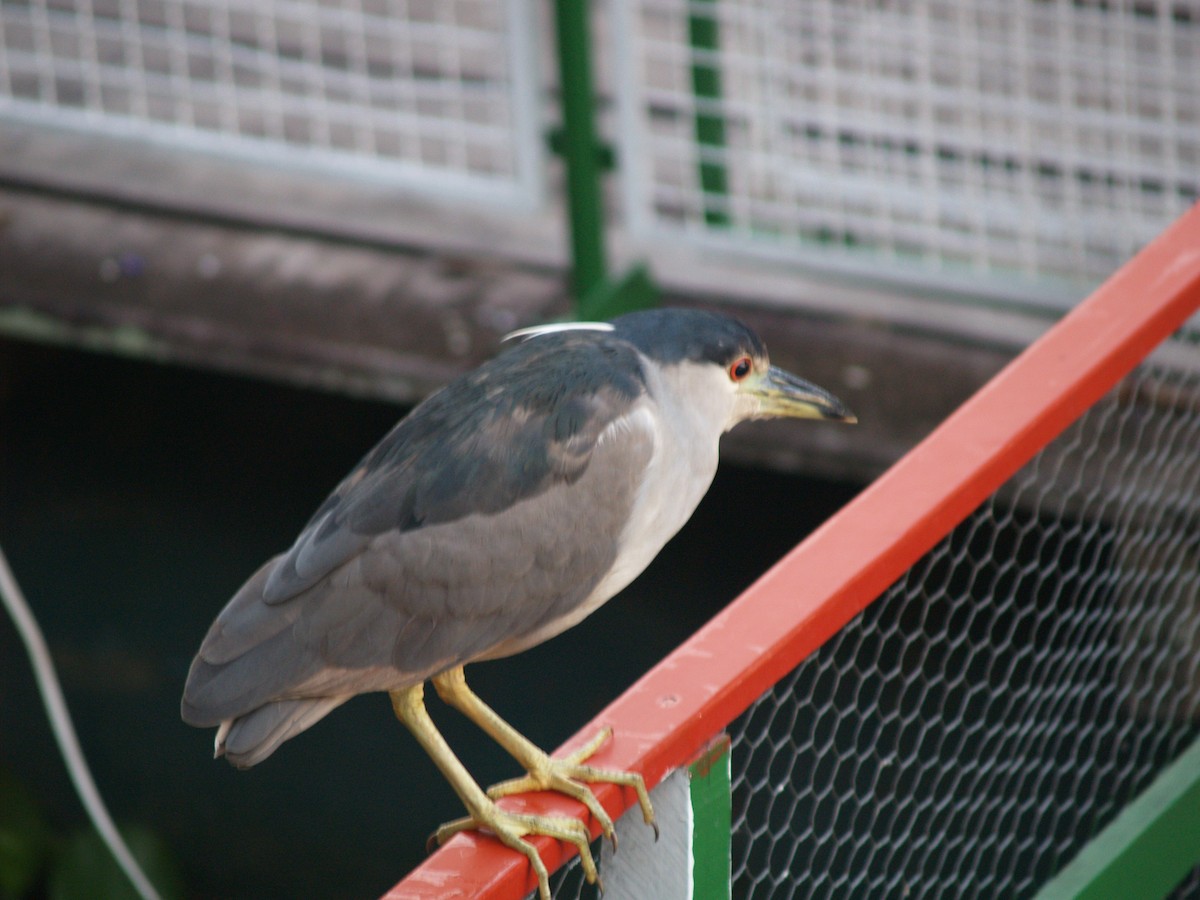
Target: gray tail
(251,738)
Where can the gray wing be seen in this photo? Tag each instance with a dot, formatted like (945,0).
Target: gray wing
(509,431)
(457,533)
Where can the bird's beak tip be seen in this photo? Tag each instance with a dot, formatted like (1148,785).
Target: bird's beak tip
(836,414)
(840,412)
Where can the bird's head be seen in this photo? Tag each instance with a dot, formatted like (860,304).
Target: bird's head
(718,367)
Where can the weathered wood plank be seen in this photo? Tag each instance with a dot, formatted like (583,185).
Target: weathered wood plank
(397,322)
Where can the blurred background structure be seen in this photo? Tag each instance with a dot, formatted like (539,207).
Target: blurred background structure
(362,197)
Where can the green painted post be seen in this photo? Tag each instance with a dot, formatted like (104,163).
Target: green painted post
(597,296)
(1147,849)
(578,145)
(712,811)
(704,34)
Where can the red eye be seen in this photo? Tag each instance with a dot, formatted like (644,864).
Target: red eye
(741,368)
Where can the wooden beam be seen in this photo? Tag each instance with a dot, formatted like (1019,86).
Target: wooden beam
(397,322)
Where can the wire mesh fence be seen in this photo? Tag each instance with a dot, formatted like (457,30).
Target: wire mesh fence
(969,731)
(1018,150)
(431,93)
(1189,888)
(569,883)
(1029,147)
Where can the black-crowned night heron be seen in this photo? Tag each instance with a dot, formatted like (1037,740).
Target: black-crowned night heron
(504,509)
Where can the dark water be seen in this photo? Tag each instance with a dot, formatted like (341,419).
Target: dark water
(135,498)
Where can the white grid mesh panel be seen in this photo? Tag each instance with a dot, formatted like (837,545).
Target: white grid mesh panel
(438,93)
(1023,148)
(967,733)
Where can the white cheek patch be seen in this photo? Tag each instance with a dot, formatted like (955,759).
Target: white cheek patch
(746,406)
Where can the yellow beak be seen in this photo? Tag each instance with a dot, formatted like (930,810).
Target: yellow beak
(781,394)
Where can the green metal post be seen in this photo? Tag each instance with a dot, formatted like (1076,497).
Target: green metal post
(585,198)
(597,296)
(705,36)
(1147,849)
(712,817)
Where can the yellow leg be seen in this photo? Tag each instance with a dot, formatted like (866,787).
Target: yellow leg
(510,828)
(567,776)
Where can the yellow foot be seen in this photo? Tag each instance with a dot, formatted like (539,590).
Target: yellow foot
(570,776)
(512,828)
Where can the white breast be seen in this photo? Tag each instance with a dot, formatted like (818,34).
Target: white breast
(681,469)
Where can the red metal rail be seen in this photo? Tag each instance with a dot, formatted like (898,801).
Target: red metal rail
(812,592)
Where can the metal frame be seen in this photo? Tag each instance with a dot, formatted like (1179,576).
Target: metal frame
(947,282)
(662,720)
(524,192)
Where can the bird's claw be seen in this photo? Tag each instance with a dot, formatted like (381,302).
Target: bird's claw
(512,828)
(570,776)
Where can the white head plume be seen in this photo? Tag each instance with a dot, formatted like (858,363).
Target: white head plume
(532,331)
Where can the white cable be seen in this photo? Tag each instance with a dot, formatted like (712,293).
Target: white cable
(64,731)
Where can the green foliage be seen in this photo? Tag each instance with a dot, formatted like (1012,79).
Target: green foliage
(24,839)
(35,862)
(85,869)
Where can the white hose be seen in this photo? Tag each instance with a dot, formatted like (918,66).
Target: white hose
(64,731)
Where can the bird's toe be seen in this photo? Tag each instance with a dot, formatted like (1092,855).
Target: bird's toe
(511,829)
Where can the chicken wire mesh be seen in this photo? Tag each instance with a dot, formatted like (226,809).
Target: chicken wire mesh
(569,882)
(1189,888)
(968,732)
(435,94)
(1016,149)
